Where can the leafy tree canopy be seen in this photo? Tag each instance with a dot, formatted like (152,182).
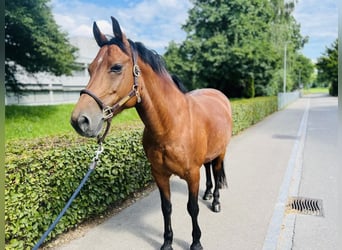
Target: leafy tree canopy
(327,66)
(34,41)
(302,72)
(235,46)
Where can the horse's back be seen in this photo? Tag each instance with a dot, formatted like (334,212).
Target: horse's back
(212,102)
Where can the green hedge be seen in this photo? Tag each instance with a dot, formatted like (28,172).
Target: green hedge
(42,175)
(247,112)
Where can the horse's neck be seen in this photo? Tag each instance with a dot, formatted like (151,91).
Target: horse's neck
(161,103)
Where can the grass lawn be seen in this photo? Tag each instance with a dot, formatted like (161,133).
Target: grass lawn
(315,91)
(26,122)
(31,122)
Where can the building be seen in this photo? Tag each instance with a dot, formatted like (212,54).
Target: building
(44,88)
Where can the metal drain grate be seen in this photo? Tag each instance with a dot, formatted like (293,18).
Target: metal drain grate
(305,206)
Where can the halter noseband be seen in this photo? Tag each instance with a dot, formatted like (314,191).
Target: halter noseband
(108,112)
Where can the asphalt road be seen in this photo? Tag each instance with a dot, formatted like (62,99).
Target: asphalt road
(291,153)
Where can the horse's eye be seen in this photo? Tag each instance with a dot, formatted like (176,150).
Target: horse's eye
(117,68)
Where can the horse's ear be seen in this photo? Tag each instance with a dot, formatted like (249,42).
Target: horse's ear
(99,37)
(116,29)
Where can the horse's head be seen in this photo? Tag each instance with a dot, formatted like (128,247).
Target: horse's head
(113,84)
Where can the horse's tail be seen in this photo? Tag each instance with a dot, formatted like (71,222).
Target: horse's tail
(222,180)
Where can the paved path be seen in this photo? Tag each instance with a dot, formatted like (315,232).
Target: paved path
(292,152)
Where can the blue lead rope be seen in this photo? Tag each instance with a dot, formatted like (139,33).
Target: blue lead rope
(53,225)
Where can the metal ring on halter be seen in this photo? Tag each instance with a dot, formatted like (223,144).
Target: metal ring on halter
(136,70)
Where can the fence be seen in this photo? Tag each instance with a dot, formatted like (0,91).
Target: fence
(287,98)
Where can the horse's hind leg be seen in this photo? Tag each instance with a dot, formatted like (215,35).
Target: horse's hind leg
(220,182)
(209,185)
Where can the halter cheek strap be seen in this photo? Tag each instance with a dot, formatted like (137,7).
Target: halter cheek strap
(108,112)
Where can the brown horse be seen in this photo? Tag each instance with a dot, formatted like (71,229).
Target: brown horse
(182,131)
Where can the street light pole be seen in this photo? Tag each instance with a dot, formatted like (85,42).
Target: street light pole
(284,84)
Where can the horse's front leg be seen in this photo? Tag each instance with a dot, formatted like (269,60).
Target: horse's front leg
(193,209)
(163,183)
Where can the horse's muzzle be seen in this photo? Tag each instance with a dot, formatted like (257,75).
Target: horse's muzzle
(86,125)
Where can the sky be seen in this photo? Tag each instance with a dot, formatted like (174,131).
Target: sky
(157,22)
(319,21)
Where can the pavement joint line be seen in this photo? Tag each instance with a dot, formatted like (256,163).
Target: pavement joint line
(287,234)
(293,172)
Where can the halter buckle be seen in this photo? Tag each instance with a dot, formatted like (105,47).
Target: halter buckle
(107,113)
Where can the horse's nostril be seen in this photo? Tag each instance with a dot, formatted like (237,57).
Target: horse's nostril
(83,122)
(83,119)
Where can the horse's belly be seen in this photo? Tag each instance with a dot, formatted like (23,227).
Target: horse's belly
(216,147)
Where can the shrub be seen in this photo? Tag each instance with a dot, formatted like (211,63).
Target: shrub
(333,89)
(42,175)
(247,112)
(249,89)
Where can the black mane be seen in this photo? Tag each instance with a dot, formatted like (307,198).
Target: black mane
(179,84)
(149,57)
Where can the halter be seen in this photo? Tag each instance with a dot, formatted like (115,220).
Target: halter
(108,111)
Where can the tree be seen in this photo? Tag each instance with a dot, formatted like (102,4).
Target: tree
(34,42)
(231,46)
(286,37)
(302,73)
(225,43)
(327,67)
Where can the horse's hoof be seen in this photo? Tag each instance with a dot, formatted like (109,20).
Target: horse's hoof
(207,196)
(196,246)
(166,246)
(216,208)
